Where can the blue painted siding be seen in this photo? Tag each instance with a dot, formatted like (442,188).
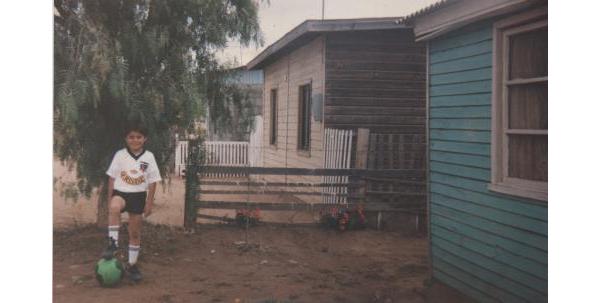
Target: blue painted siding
(490,246)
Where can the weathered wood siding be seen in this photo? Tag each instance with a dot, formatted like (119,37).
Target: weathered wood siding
(375,79)
(489,246)
(303,65)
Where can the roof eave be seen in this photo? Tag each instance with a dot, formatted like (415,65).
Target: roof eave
(324,26)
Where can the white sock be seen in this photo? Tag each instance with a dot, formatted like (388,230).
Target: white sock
(134,251)
(113,232)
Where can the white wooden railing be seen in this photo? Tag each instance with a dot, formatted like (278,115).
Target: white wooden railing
(222,153)
(337,144)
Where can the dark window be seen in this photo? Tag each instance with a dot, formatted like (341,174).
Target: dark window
(304,117)
(527,98)
(520,106)
(273,126)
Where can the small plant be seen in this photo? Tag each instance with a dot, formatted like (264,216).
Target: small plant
(344,219)
(251,217)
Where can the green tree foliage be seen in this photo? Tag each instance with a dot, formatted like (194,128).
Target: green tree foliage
(137,60)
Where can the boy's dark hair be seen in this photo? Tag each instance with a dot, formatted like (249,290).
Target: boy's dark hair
(136,127)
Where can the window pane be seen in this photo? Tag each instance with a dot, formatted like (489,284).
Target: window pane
(273,116)
(528,157)
(529,54)
(304,117)
(528,106)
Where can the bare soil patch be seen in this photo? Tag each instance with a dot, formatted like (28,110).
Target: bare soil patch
(221,264)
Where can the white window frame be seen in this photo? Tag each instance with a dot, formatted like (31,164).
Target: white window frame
(500,181)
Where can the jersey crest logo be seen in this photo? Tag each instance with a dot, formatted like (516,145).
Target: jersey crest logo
(143,166)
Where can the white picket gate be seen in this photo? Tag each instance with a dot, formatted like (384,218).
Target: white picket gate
(337,145)
(255,148)
(181,154)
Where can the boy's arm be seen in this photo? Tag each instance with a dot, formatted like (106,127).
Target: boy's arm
(149,199)
(111,186)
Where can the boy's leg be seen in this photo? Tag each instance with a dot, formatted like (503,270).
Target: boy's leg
(115,206)
(135,239)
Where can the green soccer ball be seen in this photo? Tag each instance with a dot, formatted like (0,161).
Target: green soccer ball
(109,272)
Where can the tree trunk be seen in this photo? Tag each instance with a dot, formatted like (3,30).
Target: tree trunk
(102,215)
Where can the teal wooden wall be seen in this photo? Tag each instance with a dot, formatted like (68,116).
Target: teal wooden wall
(489,246)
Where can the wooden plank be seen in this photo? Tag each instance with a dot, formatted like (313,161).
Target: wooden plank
(463,88)
(375,47)
(273,184)
(484,73)
(373,75)
(522,283)
(396,173)
(382,128)
(481,149)
(217,218)
(477,48)
(501,230)
(376,66)
(396,101)
(464,287)
(474,136)
(293,206)
(261,192)
(379,119)
(460,170)
(492,204)
(375,84)
(493,214)
(476,191)
(474,62)
(523,256)
(344,55)
(467,124)
(461,39)
(461,100)
(377,93)
(490,259)
(460,159)
(479,111)
(524,293)
(462,274)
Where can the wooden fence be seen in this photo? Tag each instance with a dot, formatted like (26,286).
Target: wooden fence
(338,154)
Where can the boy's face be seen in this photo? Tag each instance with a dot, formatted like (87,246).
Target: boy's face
(135,140)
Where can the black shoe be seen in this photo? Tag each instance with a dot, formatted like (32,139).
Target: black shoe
(134,273)
(109,252)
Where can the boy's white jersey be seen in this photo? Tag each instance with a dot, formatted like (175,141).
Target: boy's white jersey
(133,173)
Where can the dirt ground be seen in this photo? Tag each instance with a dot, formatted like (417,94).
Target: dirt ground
(222,263)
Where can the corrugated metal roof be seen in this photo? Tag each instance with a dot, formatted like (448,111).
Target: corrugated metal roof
(426,10)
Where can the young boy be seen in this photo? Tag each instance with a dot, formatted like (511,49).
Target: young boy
(133,175)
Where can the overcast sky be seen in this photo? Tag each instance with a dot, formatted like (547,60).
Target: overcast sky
(280,16)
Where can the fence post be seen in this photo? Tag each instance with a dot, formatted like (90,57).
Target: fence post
(362,156)
(191,185)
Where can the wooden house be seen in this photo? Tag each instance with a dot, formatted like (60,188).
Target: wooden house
(325,79)
(488,146)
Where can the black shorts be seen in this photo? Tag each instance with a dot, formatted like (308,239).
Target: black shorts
(134,202)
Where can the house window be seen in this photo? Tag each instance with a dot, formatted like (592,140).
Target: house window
(520,106)
(304,117)
(273,125)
